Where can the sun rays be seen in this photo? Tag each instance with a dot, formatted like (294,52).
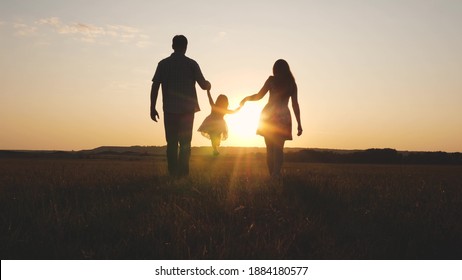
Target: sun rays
(243,125)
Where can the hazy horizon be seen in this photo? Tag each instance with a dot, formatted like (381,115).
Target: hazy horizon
(370,74)
(222,148)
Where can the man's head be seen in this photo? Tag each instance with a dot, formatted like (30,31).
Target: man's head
(180,43)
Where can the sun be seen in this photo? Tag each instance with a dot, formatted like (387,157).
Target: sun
(243,125)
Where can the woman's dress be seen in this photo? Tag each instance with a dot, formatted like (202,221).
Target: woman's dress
(275,119)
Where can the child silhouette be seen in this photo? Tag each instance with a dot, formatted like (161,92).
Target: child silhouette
(214,126)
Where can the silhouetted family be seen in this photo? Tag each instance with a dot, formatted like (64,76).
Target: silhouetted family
(178,74)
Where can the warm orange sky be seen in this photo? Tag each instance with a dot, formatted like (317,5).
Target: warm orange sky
(371,74)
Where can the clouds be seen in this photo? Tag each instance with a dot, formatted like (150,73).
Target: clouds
(22,29)
(84,32)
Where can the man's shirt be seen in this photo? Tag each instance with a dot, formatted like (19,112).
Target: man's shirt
(178,75)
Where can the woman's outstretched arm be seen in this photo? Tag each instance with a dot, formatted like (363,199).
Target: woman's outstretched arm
(258,95)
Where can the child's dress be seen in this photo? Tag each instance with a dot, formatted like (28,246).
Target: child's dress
(214,124)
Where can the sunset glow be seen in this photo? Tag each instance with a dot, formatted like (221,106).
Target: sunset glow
(243,125)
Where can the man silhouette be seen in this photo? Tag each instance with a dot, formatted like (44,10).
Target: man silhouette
(178,75)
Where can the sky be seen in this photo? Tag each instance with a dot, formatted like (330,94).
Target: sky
(370,74)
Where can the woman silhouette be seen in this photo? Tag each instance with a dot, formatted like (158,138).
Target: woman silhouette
(275,122)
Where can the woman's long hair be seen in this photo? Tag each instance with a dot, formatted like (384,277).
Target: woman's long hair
(283,77)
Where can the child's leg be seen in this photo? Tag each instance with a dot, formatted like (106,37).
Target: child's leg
(215,143)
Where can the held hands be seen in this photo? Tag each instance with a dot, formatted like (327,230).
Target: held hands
(238,108)
(208,86)
(243,102)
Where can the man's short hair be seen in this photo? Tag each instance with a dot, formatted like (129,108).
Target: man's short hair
(179,42)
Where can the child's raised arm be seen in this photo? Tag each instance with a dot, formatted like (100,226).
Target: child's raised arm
(210,98)
(233,111)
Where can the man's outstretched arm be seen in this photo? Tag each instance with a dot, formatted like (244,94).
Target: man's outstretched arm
(203,83)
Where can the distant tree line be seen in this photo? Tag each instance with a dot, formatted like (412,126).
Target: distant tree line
(375,156)
(370,156)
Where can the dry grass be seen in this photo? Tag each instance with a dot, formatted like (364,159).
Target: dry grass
(227,209)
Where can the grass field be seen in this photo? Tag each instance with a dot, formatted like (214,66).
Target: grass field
(228,208)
